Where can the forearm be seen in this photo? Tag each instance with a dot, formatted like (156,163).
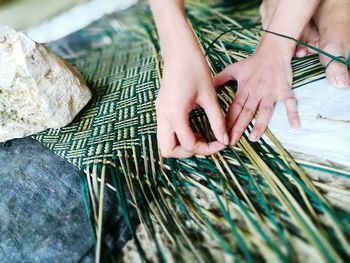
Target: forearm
(173,29)
(289,18)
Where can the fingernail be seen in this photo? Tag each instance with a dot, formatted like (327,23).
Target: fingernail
(301,53)
(253,136)
(341,80)
(226,139)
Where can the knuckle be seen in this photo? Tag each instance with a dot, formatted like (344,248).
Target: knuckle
(267,108)
(285,98)
(259,128)
(262,84)
(248,111)
(273,97)
(189,146)
(292,112)
(257,97)
(289,96)
(289,100)
(239,128)
(238,104)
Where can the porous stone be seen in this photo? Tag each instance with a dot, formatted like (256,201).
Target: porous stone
(38,90)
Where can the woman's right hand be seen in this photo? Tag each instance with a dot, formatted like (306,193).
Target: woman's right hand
(186,84)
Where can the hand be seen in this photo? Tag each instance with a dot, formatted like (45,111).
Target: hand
(263,79)
(187,83)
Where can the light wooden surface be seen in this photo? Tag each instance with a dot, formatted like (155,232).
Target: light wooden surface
(22,14)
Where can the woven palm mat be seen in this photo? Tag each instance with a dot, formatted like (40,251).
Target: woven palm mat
(250,203)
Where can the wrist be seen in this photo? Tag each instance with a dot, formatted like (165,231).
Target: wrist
(187,49)
(277,45)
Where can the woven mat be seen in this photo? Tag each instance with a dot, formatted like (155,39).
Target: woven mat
(250,202)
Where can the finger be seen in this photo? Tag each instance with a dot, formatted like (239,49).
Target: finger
(177,152)
(166,137)
(170,147)
(192,144)
(184,132)
(301,51)
(337,73)
(210,104)
(236,108)
(226,75)
(313,51)
(208,148)
(168,143)
(292,111)
(202,148)
(313,38)
(244,118)
(263,119)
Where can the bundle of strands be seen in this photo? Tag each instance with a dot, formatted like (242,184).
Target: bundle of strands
(252,202)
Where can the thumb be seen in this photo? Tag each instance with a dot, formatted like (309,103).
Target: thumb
(216,117)
(224,76)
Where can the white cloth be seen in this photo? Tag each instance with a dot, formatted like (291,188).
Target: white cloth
(325,122)
(75,19)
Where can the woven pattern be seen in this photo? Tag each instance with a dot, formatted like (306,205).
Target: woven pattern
(122,110)
(250,202)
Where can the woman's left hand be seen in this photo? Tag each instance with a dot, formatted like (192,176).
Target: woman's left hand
(263,79)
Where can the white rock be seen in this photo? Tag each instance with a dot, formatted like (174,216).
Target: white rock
(38,90)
